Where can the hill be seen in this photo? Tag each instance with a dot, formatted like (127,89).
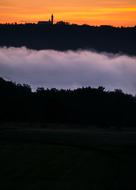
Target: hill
(63,36)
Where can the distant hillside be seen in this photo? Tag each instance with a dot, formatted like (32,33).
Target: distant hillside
(63,36)
(89,106)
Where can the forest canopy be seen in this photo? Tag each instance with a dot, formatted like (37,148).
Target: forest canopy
(85,106)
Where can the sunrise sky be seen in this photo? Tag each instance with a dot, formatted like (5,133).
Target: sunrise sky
(93,12)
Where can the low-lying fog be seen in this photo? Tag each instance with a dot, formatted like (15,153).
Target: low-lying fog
(70,69)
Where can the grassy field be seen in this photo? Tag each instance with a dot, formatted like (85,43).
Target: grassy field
(37,158)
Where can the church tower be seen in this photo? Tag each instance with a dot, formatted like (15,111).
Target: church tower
(52,18)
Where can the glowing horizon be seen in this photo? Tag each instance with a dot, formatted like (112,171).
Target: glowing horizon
(105,12)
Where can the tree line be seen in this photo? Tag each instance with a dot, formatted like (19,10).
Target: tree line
(85,106)
(65,36)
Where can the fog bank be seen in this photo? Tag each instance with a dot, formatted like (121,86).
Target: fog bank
(70,69)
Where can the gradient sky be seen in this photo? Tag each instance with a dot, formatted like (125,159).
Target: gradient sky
(93,12)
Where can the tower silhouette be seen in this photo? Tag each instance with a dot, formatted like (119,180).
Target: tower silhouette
(52,18)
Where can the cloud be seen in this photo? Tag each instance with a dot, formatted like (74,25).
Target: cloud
(70,69)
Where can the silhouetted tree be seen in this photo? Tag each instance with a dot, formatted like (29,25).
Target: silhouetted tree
(93,106)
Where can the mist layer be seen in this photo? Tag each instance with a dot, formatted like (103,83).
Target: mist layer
(69,69)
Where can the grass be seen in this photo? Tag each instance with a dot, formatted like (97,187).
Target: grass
(35,164)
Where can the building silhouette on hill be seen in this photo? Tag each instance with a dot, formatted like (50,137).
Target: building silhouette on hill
(49,22)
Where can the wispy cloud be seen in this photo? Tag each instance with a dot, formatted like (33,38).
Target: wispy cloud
(70,69)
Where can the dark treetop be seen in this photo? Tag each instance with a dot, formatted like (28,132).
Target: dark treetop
(81,106)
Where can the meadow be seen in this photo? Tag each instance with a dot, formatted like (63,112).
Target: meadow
(51,156)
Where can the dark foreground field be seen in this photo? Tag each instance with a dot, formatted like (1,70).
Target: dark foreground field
(34,158)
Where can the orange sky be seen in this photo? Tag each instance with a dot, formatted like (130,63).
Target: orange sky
(93,12)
